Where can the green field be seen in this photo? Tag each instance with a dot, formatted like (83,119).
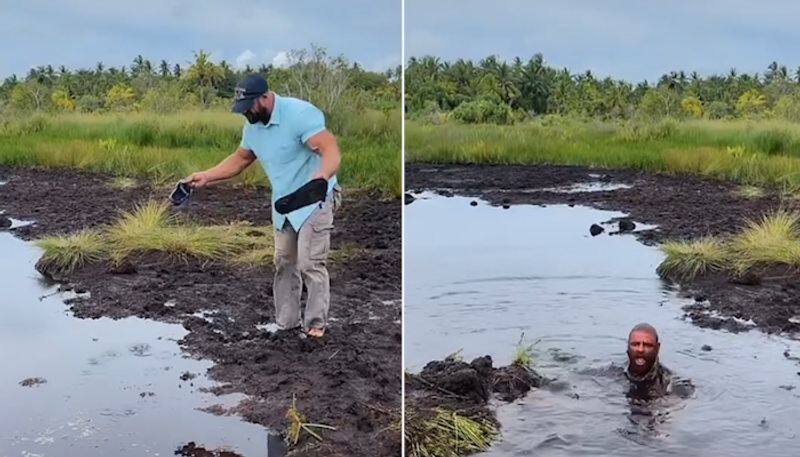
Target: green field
(168,147)
(750,152)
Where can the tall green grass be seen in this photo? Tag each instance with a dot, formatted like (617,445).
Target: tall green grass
(755,153)
(169,147)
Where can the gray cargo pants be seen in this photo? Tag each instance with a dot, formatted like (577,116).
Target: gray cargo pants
(300,258)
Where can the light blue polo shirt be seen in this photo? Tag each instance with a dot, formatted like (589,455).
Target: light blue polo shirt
(281,148)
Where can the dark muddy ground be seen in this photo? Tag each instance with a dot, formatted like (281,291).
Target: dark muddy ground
(349,379)
(683,207)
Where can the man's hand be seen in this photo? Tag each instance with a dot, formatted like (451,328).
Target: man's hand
(199,179)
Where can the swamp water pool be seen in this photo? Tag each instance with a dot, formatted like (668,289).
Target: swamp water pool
(477,277)
(99,387)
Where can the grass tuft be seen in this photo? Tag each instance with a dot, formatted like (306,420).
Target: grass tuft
(68,252)
(523,354)
(687,260)
(298,424)
(771,240)
(446,434)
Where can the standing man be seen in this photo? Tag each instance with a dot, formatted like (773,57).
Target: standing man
(289,138)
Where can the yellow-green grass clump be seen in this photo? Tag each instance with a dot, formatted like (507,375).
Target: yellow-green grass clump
(772,240)
(689,259)
(68,252)
(446,434)
(523,354)
(150,228)
(298,425)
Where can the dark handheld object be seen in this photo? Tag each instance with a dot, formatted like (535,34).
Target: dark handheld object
(311,192)
(180,194)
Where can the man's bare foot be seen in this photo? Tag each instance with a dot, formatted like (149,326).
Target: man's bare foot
(316,332)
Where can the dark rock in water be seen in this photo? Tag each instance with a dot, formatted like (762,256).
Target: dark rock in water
(473,203)
(191,449)
(477,379)
(626,226)
(506,206)
(596,230)
(4,222)
(32,382)
(706,347)
(408,198)
(514,381)
(458,377)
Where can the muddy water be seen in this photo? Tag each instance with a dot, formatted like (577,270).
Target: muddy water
(479,276)
(99,387)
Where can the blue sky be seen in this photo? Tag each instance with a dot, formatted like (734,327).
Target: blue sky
(79,33)
(632,40)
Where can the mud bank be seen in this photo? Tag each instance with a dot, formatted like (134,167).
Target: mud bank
(682,207)
(350,379)
(464,388)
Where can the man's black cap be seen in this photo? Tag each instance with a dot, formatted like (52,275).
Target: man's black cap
(248,89)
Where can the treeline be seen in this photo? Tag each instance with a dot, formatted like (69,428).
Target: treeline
(501,92)
(162,87)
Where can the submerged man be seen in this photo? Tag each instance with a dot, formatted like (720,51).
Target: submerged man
(289,138)
(648,378)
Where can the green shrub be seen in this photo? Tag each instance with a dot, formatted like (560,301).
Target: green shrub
(483,111)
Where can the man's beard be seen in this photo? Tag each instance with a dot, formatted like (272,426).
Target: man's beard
(640,370)
(262,117)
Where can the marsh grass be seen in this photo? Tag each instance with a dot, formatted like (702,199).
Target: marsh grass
(754,153)
(446,434)
(66,253)
(298,425)
(165,148)
(150,228)
(771,240)
(523,353)
(122,182)
(687,260)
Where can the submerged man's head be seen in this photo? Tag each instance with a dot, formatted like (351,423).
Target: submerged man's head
(643,349)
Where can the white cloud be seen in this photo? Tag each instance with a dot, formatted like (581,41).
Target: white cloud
(245,58)
(281,59)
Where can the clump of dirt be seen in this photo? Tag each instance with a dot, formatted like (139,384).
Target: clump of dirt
(466,388)
(349,379)
(191,449)
(682,208)
(32,382)
(185,376)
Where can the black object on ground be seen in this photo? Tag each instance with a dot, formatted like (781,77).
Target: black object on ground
(180,194)
(473,203)
(408,199)
(626,226)
(596,230)
(4,222)
(309,193)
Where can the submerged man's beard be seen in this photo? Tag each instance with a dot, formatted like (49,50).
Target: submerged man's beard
(262,117)
(649,362)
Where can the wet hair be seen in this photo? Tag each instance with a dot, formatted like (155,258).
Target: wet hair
(644,327)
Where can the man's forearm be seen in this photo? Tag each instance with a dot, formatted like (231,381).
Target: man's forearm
(228,168)
(330,162)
